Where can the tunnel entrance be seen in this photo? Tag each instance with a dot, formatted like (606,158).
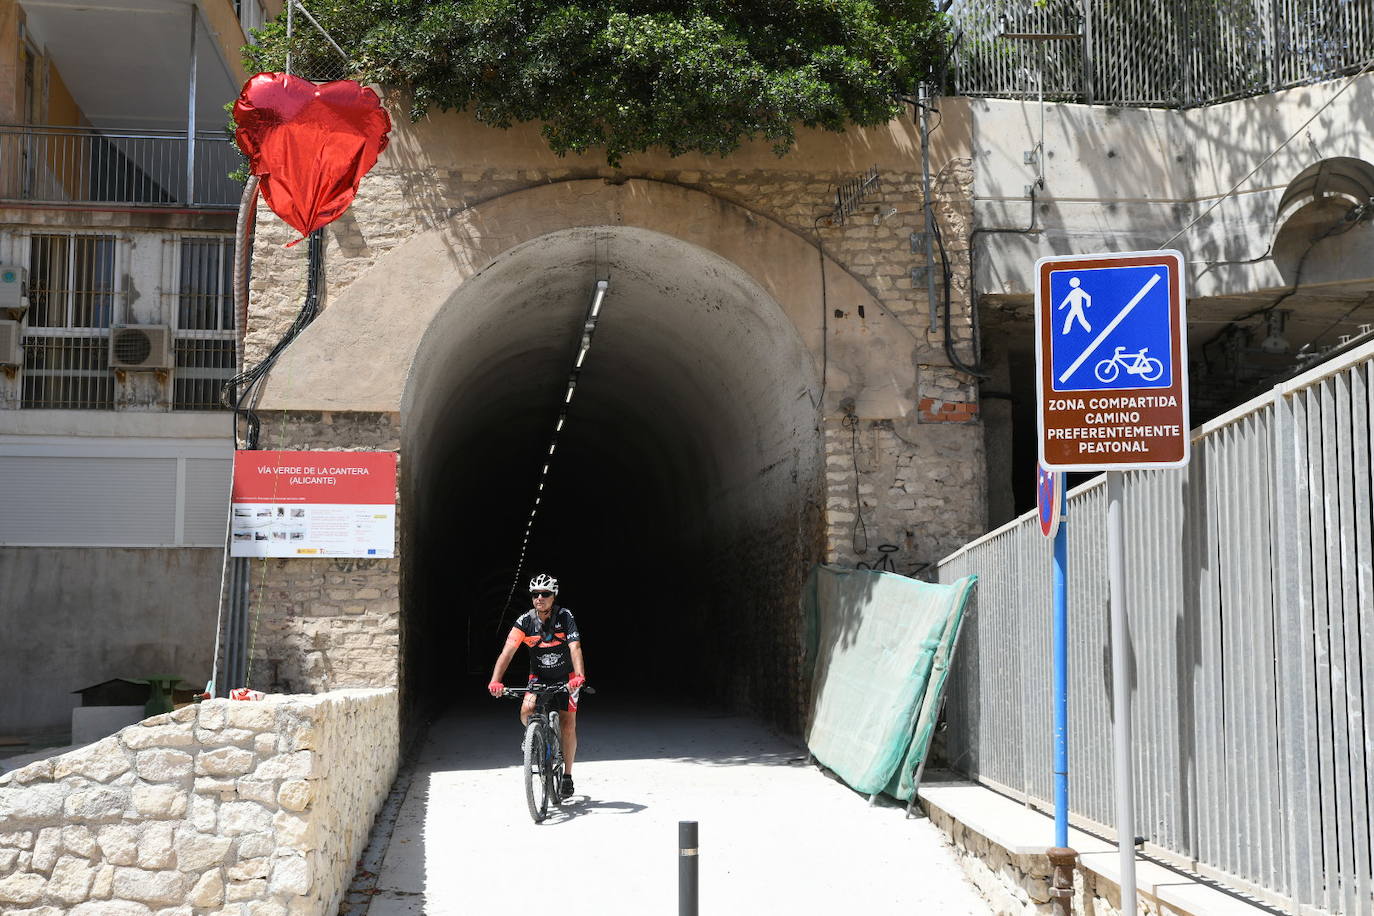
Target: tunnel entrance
(682,510)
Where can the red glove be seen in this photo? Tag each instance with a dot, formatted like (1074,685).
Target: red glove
(576,681)
(495,688)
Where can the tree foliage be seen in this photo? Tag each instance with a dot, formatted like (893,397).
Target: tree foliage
(628,75)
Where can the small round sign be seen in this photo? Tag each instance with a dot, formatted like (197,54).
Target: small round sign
(1049,497)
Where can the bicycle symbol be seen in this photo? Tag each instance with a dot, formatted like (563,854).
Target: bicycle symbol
(1147,367)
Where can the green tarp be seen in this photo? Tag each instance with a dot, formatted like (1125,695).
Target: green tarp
(881,645)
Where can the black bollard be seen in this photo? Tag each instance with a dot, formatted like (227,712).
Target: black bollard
(687,868)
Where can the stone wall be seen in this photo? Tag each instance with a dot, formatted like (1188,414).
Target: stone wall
(1013,884)
(1018,883)
(404,195)
(227,808)
(899,491)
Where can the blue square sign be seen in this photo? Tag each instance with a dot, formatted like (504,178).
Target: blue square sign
(1111,329)
(1112,361)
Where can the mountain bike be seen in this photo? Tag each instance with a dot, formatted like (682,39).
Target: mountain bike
(543,746)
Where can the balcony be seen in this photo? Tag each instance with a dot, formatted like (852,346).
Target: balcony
(88,167)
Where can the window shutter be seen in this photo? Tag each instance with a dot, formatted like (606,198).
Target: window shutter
(88,501)
(207,501)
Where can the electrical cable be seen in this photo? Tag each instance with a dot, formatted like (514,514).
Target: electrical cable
(825,315)
(246,384)
(1197,219)
(1329,328)
(1352,218)
(245,387)
(244,226)
(851,423)
(946,276)
(976,370)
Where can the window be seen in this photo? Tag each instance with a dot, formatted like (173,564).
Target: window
(205,357)
(251,16)
(72,299)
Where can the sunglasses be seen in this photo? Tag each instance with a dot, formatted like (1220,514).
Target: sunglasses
(541,594)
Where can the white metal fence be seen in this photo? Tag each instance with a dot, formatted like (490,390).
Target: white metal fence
(1251,601)
(1180,53)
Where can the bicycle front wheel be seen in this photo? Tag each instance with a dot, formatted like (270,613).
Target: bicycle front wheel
(555,770)
(536,768)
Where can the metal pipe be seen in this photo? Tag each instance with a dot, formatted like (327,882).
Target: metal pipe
(687,868)
(923,97)
(1061,677)
(1121,691)
(290,31)
(191,118)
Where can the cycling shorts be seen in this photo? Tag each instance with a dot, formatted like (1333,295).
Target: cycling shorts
(561,702)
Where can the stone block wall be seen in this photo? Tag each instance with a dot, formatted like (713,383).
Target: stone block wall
(899,494)
(1019,883)
(227,808)
(914,493)
(758,662)
(874,244)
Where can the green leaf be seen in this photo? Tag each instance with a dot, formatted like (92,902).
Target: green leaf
(625,76)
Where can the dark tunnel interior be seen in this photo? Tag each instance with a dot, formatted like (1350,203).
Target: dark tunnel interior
(675,508)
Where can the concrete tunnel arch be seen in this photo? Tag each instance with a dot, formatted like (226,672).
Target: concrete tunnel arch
(685,504)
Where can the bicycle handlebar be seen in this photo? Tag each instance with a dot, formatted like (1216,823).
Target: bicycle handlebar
(542,688)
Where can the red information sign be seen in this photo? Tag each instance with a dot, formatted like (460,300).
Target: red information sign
(293,504)
(1111,361)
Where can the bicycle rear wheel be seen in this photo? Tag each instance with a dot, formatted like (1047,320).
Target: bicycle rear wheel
(536,772)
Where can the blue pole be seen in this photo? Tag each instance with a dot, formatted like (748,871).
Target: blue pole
(1061,677)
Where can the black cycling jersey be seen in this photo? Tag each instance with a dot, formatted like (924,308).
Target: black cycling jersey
(550,657)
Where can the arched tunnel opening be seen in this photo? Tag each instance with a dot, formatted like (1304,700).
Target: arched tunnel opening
(681,510)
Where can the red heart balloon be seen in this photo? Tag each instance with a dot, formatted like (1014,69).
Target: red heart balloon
(310,144)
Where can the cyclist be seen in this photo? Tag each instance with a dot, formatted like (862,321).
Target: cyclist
(555,647)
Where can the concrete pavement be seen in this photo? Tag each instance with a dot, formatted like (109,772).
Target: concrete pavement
(776,836)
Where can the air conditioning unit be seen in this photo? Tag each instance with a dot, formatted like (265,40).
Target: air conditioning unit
(140,346)
(11,343)
(14,291)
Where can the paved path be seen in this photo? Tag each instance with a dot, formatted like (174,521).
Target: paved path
(777,836)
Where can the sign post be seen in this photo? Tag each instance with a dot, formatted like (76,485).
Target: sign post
(1050,495)
(1112,391)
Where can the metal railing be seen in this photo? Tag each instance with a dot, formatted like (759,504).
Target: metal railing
(1174,53)
(1251,601)
(68,370)
(205,360)
(74,165)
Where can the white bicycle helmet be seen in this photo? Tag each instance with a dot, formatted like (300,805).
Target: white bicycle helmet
(544,583)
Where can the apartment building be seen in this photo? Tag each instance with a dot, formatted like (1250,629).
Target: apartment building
(117,210)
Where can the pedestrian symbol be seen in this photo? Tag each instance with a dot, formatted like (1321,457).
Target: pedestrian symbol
(1076,301)
(1131,349)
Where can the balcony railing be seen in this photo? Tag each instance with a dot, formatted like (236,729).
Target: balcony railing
(74,165)
(1162,53)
